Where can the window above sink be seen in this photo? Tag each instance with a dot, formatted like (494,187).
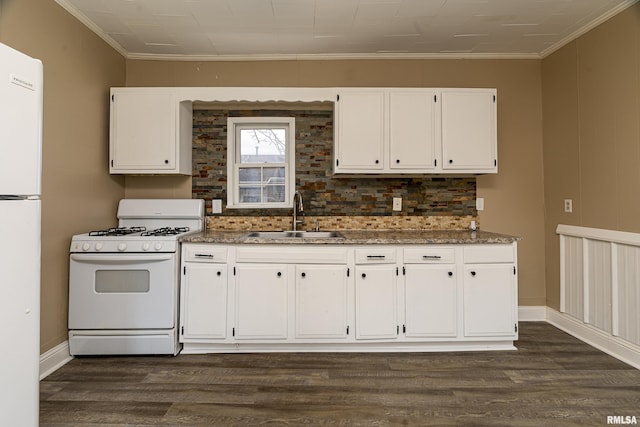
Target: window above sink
(260,162)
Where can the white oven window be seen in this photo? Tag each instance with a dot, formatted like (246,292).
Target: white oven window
(122,281)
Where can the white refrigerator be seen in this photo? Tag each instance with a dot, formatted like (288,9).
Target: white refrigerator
(20,183)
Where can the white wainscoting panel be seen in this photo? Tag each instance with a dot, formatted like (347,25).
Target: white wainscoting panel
(598,284)
(601,268)
(571,274)
(627,286)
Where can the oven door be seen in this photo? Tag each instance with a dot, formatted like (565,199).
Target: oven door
(123,291)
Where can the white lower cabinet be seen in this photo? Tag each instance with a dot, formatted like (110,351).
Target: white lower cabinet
(204,294)
(261,301)
(204,302)
(310,297)
(489,300)
(376,302)
(490,291)
(321,306)
(430,301)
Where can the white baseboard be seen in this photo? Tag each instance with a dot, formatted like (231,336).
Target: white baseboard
(612,345)
(52,360)
(529,313)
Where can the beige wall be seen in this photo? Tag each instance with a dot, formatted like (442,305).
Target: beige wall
(77,191)
(591,92)
(513,198)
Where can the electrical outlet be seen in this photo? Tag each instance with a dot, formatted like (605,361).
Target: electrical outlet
(397,203)
(568,205)
(480,204)
(216,206)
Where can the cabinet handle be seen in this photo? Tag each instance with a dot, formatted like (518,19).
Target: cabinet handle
(473,273)
(431,257)
(219,273)
(450,273)
(203,256)
(304,274)
(376,256)
(279,273)
(364,275)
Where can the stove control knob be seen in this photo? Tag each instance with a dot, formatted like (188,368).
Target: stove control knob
(122,247)
(145,246)
(158,246)
(86,246)
(98,246)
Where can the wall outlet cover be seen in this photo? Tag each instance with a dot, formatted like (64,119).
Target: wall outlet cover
(397,204)
(568,205)
(480,204)
(216,206)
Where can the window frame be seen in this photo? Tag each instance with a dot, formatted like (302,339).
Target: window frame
(234,124)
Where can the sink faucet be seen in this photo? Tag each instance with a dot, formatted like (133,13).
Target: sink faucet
(297,208)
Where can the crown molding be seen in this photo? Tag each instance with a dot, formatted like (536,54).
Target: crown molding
(329,57)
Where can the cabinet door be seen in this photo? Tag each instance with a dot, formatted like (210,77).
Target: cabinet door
(412,130)
(360,131)
(261,301)
(489,300)
(430,300)
(321,301)
(143,131)
(469,137)
(376,302)
(204,301)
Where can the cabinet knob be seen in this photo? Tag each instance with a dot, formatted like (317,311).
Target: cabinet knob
(450,273)
(397,160)
(166,162)
(473,273)
(219,273)
(364,275)
(377,161)
(279,273)
(450,161)
(304,274)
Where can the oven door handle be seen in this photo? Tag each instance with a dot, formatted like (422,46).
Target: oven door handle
(121,259)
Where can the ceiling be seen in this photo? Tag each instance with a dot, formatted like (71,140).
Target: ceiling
(293,29)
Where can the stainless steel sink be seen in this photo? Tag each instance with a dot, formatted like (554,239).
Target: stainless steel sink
(296,235)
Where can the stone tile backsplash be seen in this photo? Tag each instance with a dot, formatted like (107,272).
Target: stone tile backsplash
(341,222)
(325,195)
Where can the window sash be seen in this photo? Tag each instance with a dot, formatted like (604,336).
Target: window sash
(266,194)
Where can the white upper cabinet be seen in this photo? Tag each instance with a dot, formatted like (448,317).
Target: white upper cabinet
(150,132)
(469,130)
(412,131)
(360,123)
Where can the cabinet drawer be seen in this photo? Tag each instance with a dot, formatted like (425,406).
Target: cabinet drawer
(376,256)
(429,255)
(488,253)
(204,253)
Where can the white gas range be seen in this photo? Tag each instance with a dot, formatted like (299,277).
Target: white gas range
(123,281)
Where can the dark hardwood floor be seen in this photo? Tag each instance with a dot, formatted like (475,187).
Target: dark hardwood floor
(552,380)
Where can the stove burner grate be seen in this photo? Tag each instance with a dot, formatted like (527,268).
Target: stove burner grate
(166,231)
(117,231)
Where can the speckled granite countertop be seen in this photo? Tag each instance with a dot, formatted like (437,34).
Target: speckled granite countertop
(360,237)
